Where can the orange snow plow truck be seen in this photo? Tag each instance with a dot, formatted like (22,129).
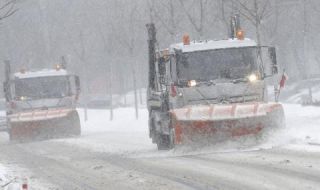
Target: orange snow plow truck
(211,90)
(41,104)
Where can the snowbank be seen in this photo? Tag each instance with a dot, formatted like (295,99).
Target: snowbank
(302,128)
(303,123)
(297,92)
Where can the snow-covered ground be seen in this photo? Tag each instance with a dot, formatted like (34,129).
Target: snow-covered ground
(303,123)
(298,92)
(12,177)
(9,180)
(102,135)
(105,145)
(3,177)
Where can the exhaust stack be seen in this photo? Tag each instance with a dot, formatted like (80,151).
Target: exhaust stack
(152,40)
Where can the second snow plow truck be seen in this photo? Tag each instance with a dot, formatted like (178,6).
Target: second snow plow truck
(41,104)
(212,90)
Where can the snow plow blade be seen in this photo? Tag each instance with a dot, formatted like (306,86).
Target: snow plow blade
(224,122)
(41,129)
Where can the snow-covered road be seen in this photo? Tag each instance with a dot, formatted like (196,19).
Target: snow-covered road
(119,155)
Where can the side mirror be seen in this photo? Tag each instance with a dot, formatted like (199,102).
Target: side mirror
(273,58)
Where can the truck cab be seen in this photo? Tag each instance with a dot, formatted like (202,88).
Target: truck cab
(219,72)
(44,89)
(214,72)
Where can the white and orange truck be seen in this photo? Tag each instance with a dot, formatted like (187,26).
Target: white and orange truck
(41,104)
(211,89)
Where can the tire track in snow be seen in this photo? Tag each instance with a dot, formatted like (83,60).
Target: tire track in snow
(132,164)
(39,155)
(57,173)
(291,177)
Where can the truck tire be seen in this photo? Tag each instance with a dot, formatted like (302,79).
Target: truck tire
(166,142)
(73,124)
(163,142)
(152,130)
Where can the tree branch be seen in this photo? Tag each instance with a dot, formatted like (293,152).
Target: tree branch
(7,9)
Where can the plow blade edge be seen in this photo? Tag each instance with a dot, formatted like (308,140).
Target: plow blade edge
(222,122)
(26,130)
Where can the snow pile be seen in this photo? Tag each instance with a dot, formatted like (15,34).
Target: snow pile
(303,123)
(13,176)
(304,93)
(3,178)
(7,182)
(295,93)
(302,127)
(124,135)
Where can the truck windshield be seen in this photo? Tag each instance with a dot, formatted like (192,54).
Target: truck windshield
(233,63)
(42,87)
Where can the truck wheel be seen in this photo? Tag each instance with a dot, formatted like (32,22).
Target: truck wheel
(163,142)
(166,142)
(152,131)
(72,124)
(75,124)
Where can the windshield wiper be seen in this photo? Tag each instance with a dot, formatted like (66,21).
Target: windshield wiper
(211,82)
(239,80)
(203,96)
(206,82)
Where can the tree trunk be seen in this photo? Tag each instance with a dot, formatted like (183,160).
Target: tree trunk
(135,92)
(140,96)
(85,73)
(111,91)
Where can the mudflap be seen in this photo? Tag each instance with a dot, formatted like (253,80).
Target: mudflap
(213,129)
(46,129)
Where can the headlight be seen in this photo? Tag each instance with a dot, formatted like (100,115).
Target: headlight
(192,83)
(22,98)
(253,78)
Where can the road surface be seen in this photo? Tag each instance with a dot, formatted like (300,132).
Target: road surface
(115,157)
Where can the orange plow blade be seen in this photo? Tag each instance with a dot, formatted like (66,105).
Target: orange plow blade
(222,122)
(36,128)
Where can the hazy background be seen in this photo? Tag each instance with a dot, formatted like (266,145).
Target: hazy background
(100,37)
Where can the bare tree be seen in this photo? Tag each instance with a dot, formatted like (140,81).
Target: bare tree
(166,12)
(7,8)
(255,11)
(80,52)
(127,39)
(224,18)
(107,47)
(198,24)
